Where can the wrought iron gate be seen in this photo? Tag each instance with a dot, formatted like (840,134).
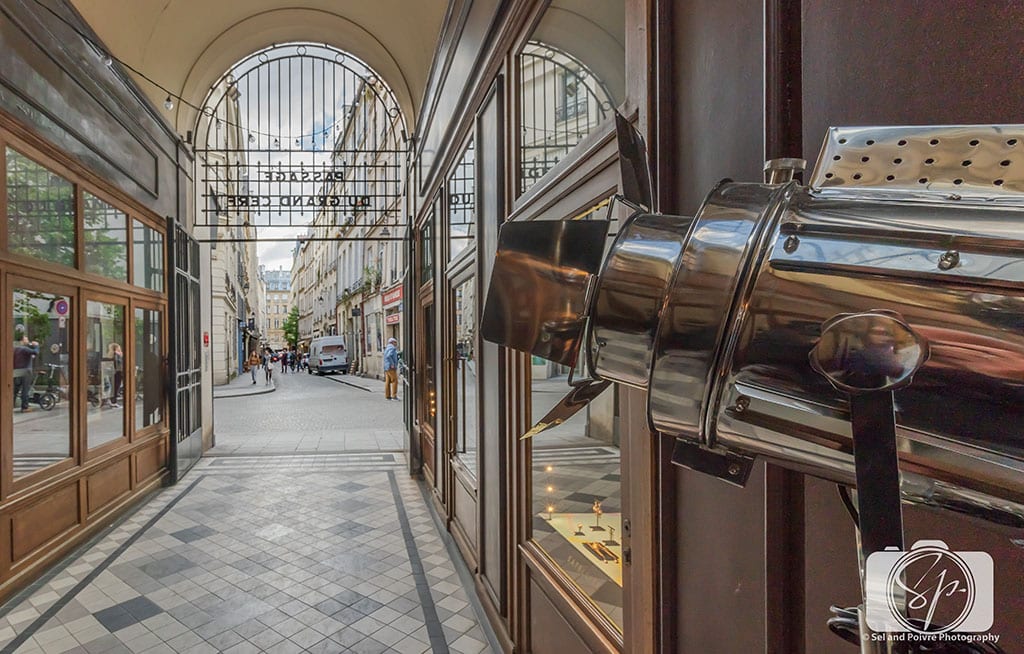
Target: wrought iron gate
(185,351)
(300,135)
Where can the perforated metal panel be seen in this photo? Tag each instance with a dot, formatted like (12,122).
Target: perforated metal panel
(971,162)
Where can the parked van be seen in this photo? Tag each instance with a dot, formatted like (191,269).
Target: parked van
(328,354)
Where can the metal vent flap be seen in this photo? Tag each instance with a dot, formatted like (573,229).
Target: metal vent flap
(982,163)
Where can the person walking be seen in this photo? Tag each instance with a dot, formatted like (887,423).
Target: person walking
(268,366)
(254,363)
(391,370)
(24,352)
(115,354)
(284,362)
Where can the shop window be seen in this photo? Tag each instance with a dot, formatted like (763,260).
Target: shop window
(105,234)
(465,396)
(148,253)
(572,76)
(426,248)
(576,467)
(461,203)
(577,493)
(429,397)
(105,372)
(43,383)
(149,385)
(40,211)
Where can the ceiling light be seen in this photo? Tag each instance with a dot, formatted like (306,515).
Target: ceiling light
(168,103)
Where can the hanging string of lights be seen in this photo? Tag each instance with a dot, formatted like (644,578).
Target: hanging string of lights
(109,59)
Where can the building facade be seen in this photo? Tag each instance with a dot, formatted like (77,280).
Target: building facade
(234,268)
(279,298)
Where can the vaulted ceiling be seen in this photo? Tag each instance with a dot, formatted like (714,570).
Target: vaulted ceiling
(186,45)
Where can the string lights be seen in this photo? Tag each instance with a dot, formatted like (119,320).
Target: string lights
(372,83)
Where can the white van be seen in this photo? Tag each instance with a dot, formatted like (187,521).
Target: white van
(328,354)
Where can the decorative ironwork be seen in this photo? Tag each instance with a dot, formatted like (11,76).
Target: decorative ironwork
(561,101)
(301,134)
(462,203)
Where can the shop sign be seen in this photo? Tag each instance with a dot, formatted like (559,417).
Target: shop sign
(392,296)
(392,318)
(356,312)
(206,339)
(253,200)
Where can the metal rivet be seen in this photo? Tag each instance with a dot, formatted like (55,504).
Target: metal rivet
(734,469)
(949,259)
(791,244)
(742,404)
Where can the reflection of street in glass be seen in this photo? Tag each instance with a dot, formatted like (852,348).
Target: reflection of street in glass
(868,351)
(876,360)
(41,438)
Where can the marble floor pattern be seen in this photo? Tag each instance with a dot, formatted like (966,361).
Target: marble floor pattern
(300,553)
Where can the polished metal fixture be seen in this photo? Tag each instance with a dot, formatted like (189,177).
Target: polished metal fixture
(715,316)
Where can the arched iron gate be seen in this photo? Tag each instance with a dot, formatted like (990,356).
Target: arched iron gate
(298,135)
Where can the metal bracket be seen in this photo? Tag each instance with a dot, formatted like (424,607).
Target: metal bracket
(730,467)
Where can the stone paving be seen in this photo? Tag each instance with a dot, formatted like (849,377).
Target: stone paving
(318,550)
(308,414)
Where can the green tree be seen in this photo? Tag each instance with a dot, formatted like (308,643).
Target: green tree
(291,327)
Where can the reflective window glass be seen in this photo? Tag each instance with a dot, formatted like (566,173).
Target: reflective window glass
(429,397)
(426,247)
(577,495)
(577,492)
(572,78)
(149,385)
(105,372)
(42,380)
(148,252)
(465,373)
(461,202)
(105,233)
(40,211)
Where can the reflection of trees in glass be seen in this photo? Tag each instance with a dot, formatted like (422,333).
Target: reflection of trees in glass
(29,319)
(40,211)
(148,246)
(562,101)
(106,238)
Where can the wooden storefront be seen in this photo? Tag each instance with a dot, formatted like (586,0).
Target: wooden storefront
(716,88)
(88,176)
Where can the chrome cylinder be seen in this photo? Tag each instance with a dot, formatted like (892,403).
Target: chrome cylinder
(631,294)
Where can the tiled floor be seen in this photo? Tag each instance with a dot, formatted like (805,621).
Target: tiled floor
(317,553)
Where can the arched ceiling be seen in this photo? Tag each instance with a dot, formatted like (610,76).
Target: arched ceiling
(186,45)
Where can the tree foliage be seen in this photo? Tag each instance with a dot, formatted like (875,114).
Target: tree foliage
(291,327)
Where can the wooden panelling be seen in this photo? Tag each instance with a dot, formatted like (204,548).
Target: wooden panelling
(465,509)
(712,545)
(830,554)
(151,461)
(903,62)
(44,520)
(551,632)
(493,457)
(108,484)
